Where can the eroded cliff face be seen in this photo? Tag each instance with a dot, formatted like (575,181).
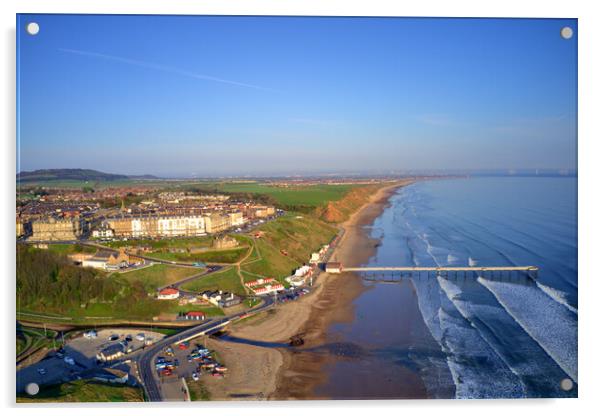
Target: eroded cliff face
(341,210)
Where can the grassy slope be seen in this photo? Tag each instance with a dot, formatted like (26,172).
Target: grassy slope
(159,275)
(299,237)
(212,256)
(70,248)
(341,210)
(227,280)
(185,243)
(84,391)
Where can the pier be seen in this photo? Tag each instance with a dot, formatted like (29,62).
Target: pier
(395,274)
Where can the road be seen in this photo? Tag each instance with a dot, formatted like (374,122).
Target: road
(145,360)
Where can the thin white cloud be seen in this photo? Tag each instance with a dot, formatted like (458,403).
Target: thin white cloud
(163,68)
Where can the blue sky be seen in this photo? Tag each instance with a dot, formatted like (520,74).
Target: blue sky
(192,95)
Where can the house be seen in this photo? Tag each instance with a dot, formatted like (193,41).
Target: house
(269,288)
(302,271)
(107,260)
(112,352)
(228,300)
(195,316)
(103,231)
(118,261)
(334,267)
(168,293)
(264,286)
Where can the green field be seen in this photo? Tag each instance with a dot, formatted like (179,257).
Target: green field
(184,243)
(227,280)
(312,195)
(70,248)
(84,391)
(212,256)
(160,275)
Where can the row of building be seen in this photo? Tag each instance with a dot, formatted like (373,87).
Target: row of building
(143,225)
(132,226)
(218,298)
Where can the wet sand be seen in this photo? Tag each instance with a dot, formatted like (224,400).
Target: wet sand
(301,370)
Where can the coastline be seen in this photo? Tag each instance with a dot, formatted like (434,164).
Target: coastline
(282,374)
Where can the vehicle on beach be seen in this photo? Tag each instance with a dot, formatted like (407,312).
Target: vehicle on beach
(92,334)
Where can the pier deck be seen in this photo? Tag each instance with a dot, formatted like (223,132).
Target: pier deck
(442,269)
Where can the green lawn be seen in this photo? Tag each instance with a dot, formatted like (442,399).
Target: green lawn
(70,248)
(213,256)
(84,391)
(185,243)
(160,275)
(226,280)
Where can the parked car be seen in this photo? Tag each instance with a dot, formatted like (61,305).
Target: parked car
(195,376)
(69,360)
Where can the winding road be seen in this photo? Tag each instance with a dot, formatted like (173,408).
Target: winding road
(144,361)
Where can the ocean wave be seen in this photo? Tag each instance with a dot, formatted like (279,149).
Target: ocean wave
(539,374)
(557,295)
(451,259)
(477,371)
(548,322)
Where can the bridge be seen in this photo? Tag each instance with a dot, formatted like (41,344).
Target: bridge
(382,273)
(441,269)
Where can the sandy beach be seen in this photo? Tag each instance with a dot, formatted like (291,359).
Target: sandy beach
(281,374)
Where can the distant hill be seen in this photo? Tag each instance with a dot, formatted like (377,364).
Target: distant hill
(43,175)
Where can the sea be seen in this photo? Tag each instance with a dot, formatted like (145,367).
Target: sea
(467,336)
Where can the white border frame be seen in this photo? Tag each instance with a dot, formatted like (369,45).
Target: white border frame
(590,28)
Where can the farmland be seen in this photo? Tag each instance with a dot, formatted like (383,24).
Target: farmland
(310,195)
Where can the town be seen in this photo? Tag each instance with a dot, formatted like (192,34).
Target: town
(198,259)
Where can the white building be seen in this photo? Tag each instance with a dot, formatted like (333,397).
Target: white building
(168,293)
